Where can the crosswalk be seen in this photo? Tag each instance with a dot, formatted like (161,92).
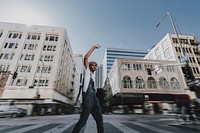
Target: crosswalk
(110,127)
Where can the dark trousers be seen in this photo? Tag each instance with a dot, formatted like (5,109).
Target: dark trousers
(90,105)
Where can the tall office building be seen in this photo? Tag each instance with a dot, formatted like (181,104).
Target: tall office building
(169,49)
(112,53)
(99,76)
(43,58)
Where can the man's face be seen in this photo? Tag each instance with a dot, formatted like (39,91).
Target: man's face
(93,67)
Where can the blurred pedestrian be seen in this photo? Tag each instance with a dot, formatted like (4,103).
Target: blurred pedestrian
(196,107)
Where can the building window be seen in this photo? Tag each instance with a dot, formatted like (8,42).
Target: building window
(139,82)
(21,82)
(170,68)
(179,49)
(176,49)
(174,83)
(151,83)
(10,45)
(4,67)
(24,68)
(52,37)
(42,82)
(193,60)
(1,33)
(48,58)
(163,83)
(30,46)
(174,40)
(198,60)
(45,69)
(127,82)
(49,48)
(125,66)
(194,70)
(183,41)
(33,36)
(186,49)
(197,70)
(6,56)
(148,66)
(15,35)
(137,67)
(29,57)
(190,51)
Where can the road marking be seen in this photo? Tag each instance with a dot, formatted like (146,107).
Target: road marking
(124,128)
(151,127)
(7,126)
(26,128)
(60,128)
(90,127)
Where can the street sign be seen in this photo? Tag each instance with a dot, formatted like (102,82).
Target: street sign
(193,82)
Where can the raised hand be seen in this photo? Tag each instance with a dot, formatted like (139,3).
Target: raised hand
(97,46)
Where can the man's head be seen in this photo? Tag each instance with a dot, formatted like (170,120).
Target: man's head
(92,66)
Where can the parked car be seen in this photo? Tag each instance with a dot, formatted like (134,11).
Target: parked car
(13,112)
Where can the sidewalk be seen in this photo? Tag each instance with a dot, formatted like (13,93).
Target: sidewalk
(187,125)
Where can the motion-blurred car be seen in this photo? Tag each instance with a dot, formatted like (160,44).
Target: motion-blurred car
(13,112)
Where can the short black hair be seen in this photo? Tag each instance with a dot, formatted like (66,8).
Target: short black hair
(92,62)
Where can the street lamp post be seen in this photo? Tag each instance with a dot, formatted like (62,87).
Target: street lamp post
(37,92)
(174,27)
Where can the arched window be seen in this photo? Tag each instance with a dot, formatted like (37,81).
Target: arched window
(151,83)
(139,83)
(163,83)
(174,83)
(127,82)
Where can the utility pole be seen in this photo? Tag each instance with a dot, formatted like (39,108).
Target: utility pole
(37,92)
(175,30)
(188,74)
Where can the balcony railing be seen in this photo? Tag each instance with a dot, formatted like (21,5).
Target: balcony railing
(150,85)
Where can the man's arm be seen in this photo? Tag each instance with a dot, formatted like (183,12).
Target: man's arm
(86,63)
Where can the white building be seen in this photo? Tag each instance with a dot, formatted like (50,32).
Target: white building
(99,76)
(43,58)
(169,49)
(112,53)
(80,68)
(131,85)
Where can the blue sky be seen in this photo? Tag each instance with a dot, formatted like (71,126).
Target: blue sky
(110,23)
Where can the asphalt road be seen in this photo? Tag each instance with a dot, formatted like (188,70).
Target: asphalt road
(112,123)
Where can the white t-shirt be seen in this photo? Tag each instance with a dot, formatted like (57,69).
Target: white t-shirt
(87,76)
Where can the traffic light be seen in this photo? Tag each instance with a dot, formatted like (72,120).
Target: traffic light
(15,75)
(187,71)
(149,71)
(193,88)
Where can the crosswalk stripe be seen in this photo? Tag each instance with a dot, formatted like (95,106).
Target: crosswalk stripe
(26,128)
(6,126)
(124,128)
(151,127)
(90,127)
(60,128)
